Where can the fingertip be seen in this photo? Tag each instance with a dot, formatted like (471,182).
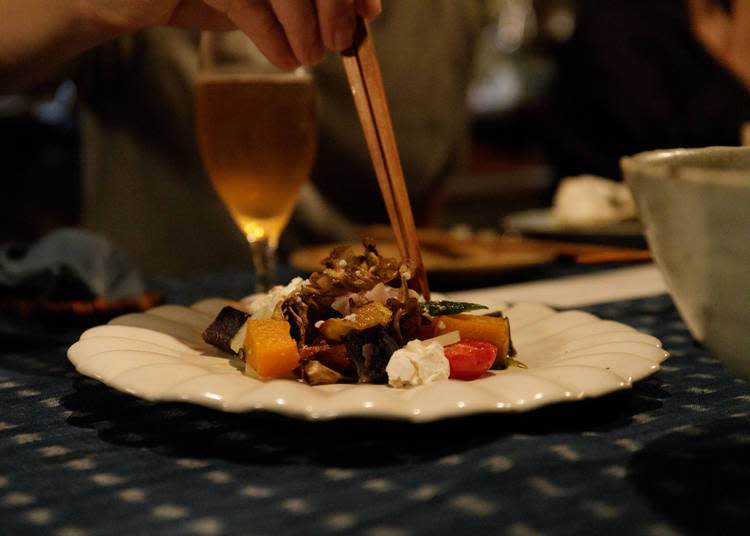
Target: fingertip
(288,64)
(313,54)
(343,36)
(286,61)
(369,9)
(310,50)
(260,24)
(337,22)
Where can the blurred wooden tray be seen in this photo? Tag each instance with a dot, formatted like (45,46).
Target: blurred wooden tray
(448,254)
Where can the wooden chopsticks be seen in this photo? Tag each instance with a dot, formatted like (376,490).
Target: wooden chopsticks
(363,72)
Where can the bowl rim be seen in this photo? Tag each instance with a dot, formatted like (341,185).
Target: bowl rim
(657,164)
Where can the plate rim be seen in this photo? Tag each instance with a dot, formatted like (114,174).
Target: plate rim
(383,408)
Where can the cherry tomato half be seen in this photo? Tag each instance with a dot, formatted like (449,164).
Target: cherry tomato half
(470,358)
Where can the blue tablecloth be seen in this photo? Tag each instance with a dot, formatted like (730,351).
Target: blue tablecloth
(671,456)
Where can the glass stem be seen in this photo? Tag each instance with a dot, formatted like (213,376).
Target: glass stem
(264,261)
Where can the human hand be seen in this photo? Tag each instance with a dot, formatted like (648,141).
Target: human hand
(737,52)
(288,32)
(725,35)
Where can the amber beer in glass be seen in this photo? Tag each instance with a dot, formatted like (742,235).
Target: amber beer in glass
(257,132)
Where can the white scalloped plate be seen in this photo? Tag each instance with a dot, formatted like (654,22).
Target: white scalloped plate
(160,356)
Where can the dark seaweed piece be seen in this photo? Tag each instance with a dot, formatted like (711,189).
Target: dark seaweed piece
(370,350)
(224,327)
(447,307)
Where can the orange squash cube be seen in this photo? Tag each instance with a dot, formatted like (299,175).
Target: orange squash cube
(493,329)
(269,348)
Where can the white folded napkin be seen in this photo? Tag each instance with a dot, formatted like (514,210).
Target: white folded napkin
(574,291)
(68,264)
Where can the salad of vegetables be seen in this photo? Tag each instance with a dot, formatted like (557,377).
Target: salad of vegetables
(358,320)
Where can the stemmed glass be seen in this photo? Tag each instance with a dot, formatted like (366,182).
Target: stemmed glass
(257,132)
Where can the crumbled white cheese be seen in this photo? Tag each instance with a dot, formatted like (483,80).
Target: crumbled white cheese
(262,305)
(417,363)
(401,371)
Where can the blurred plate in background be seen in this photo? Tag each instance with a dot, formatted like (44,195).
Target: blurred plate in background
(540,223)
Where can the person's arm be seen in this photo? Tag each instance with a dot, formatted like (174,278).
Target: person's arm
(37,37)
(737,54)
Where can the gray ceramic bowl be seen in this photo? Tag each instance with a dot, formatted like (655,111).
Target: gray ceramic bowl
(694,205)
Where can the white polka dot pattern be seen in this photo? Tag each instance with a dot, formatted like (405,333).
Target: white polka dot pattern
(667,457)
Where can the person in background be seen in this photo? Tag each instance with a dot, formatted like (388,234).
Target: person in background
(640,75)
(143,182)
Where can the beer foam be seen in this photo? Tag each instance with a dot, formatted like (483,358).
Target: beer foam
(233,74)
